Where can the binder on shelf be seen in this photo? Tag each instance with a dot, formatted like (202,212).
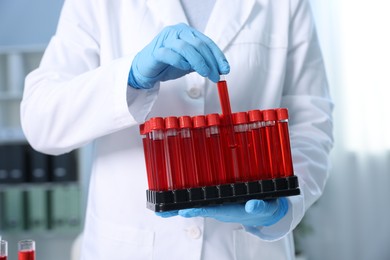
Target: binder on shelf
(63,167)
(37,214)
(12,164)
(38,166)
(57,214)
(73,218)
(14,210)
(3,164)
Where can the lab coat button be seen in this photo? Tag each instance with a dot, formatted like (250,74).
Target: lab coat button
(194,92)
(194,232)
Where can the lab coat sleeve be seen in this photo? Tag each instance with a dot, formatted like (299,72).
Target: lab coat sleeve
(307,97)
(73,98)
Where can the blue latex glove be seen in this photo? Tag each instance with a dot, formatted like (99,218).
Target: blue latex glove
(253,213)
(176,51)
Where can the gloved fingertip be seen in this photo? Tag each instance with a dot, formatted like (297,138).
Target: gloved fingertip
(189,213)
(225,67)
(254,206)
(167,214)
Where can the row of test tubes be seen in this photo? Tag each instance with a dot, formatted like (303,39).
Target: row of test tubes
(205,150)
(26,250)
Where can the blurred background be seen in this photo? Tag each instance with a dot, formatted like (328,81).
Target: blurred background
(349,222)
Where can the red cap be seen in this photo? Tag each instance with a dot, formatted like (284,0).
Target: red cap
(185,122)
(199,121)
(156,123)
(213,120)
(240,118)
(171,122)
(269,115)
(146,127)
(282,113)
(255,115)
(142,129)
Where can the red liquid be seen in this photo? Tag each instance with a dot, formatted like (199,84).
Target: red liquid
(217,163)
(257,149)
(174,160)
(287,165)
(149,173)
(201,155)
(26,255)
(242,152)
(3,257)
(158,161)
(190,177)
(273,150)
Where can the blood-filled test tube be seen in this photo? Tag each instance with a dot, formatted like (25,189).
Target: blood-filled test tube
(157,151)
(26,250)
(144,131)
(187,151)
(240,121)
(173,160)
(201,152)
(284,137)
(3,250)
(255,138)
(214,142)
(272,143)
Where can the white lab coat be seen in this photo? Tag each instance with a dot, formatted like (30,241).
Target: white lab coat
(78,95)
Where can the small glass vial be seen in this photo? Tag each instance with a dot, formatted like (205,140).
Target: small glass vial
(173,160)
(272,143)
(157,151)
(285,147)
(26,250)
(255,138)
(3,250)
(200,146)
(240,121)
(190,177)
(144,131)
(214,142)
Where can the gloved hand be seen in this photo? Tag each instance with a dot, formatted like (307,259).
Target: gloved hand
(177,50)
(253,213)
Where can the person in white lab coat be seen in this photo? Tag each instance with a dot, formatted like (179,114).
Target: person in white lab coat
(83,92)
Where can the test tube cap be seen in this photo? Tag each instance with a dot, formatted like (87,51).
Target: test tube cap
(171,122)
(269,115)
(185,122)
(282,113)
(213,120)
(156,123)
(142,129)
(255,115)
(240,118)
(199,121)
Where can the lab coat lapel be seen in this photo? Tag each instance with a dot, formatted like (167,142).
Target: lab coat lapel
(227,19)
(169,12)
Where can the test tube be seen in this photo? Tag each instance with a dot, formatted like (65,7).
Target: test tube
(240,121)
(172,153)
(26,250)
(272,143)
(190,177)
(257,144)
(144,131)
(158,153)
(214,141)
(3,250)
(200,145)
(284,137)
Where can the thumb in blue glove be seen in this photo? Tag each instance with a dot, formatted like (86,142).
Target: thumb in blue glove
(253,213)
(176,51)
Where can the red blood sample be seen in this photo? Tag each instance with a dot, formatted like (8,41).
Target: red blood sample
(272,143)
(284,137)
(144,130)
(3,257)
(172,142)
(200,146)
(157,152)
(240,121)
(26,255)
(190,177)
(214,142)
(257,144)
